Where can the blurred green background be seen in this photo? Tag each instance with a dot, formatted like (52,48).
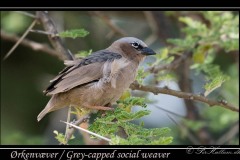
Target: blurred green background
(26,73)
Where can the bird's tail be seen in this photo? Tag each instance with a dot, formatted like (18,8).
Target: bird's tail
(51,106)
(43,113)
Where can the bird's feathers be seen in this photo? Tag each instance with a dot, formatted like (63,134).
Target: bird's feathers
(116,67)
(76,74)
(81,75)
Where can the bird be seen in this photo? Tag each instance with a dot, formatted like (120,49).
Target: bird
(98,80)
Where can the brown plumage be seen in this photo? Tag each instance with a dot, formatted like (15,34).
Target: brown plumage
(99,79)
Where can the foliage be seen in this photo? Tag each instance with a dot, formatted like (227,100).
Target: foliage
(216,34)
(61,137)
(74,33)
(118,123)
(205,42)
(141,74)
(82,54)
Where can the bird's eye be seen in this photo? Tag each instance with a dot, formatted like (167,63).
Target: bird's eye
(136,45)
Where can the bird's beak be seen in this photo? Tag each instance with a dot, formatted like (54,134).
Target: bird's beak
(147,51)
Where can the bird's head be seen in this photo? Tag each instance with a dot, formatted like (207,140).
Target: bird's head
(131,47)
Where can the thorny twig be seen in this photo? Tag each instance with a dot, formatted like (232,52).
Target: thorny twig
(153,25)
(183,128)
(31,44)
(87,131)
(20,39)
(26,14)
(70,130)
(190,96)
(56,41)
(108,21)
(229,134)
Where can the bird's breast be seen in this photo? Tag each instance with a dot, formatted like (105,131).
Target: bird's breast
(122,73)
(117,77)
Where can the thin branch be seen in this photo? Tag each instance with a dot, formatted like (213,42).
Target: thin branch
(183,128)
(87,137)
(151,21)
(229,134)
(26,14)
(108,21)
(42,32)
(163,26)
(31,44)
(67,136)
(56,41)
(87,131)
(20,40)
(150,39)
(81,119)
(190,96)
(168,111)
(153,25)
(70,130)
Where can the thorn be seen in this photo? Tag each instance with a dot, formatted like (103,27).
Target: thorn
(20,40)
(89,132)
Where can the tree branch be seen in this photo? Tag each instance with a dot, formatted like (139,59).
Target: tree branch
(70,130)
(184,129)
(108,21)
(229,134)
(31,44)
(20,40)
(26,14)
(190,96)
(185,84)
(87,131)
(56,41)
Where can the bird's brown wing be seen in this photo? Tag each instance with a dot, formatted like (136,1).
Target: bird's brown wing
(86,71)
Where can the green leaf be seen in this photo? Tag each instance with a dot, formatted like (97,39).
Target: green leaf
(166,77)
(110,124)
(195,28)
(61,137)
(82,54)
(214,77)
(126,94)
(74,33)
(214,83)
(191,23)
(141,74)
(201,53)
